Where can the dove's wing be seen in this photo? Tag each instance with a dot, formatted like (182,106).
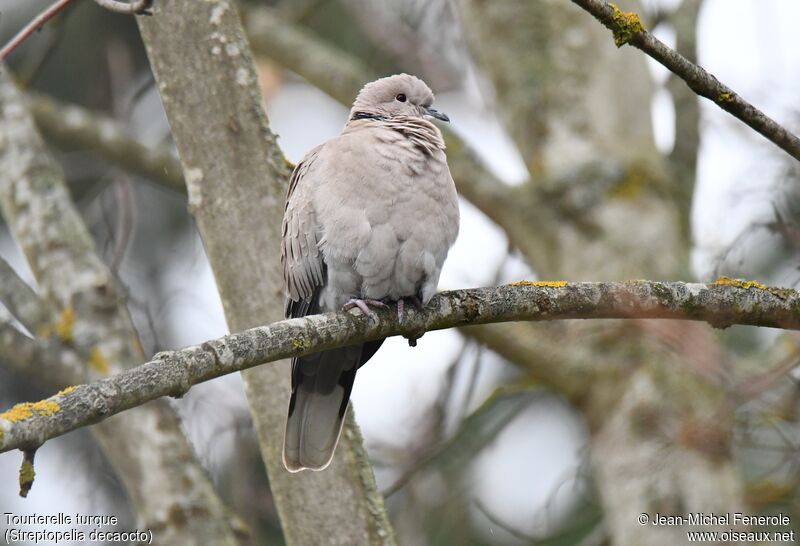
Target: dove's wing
(321,382)
(303,265)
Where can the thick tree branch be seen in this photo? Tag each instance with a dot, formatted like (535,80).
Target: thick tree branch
(334,72)
(70,125)
(628,29)
(721,304)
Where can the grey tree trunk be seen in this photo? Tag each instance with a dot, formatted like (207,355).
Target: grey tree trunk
(236,178)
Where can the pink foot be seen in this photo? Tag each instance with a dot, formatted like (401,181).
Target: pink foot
(401,306)
(364,304)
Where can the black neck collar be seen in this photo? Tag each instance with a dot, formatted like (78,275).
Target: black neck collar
(366,115)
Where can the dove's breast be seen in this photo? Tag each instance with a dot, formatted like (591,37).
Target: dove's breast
(388,214)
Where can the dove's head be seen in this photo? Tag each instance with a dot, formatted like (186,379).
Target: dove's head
(398,96)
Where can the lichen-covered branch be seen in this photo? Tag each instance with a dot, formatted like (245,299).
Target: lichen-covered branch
(723,303)
(70,125)
(167,485)
(628,29)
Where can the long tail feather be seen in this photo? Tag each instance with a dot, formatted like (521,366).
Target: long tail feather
(321,385)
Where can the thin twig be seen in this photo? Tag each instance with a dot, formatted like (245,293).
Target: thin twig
(120,70)
(37,22)
(628,29)
(721,304)
(754,386)
(508,528)
(474,433)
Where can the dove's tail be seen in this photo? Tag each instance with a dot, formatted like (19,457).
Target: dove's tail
(321,385)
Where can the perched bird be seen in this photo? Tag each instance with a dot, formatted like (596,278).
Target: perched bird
(370,216)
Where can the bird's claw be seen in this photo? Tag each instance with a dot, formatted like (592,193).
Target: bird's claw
(401,308)
(364,304)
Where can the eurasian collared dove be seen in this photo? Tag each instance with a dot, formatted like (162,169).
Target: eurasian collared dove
(370,216)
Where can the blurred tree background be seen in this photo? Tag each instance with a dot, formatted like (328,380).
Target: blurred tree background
(575,160)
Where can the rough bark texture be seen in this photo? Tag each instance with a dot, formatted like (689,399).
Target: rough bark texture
(173,373)
(236,178)
(170,491)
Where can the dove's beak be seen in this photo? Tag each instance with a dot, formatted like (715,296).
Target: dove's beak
(436,114)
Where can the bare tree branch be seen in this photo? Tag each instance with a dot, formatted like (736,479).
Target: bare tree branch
(35,24)
(628,29)
(70,125)
(721,304)
(135,7)
(335,72)
(21,300)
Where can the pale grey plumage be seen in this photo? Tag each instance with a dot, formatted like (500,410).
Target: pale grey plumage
(370,214)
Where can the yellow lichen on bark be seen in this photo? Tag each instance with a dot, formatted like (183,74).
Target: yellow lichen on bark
(26,410)
(65,324)
(26,473)
(546,284)
(26,477)
(97,361)
(65,391)
(627,24)
(727,281)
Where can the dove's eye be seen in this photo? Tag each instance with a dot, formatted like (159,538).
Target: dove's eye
(401,97)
